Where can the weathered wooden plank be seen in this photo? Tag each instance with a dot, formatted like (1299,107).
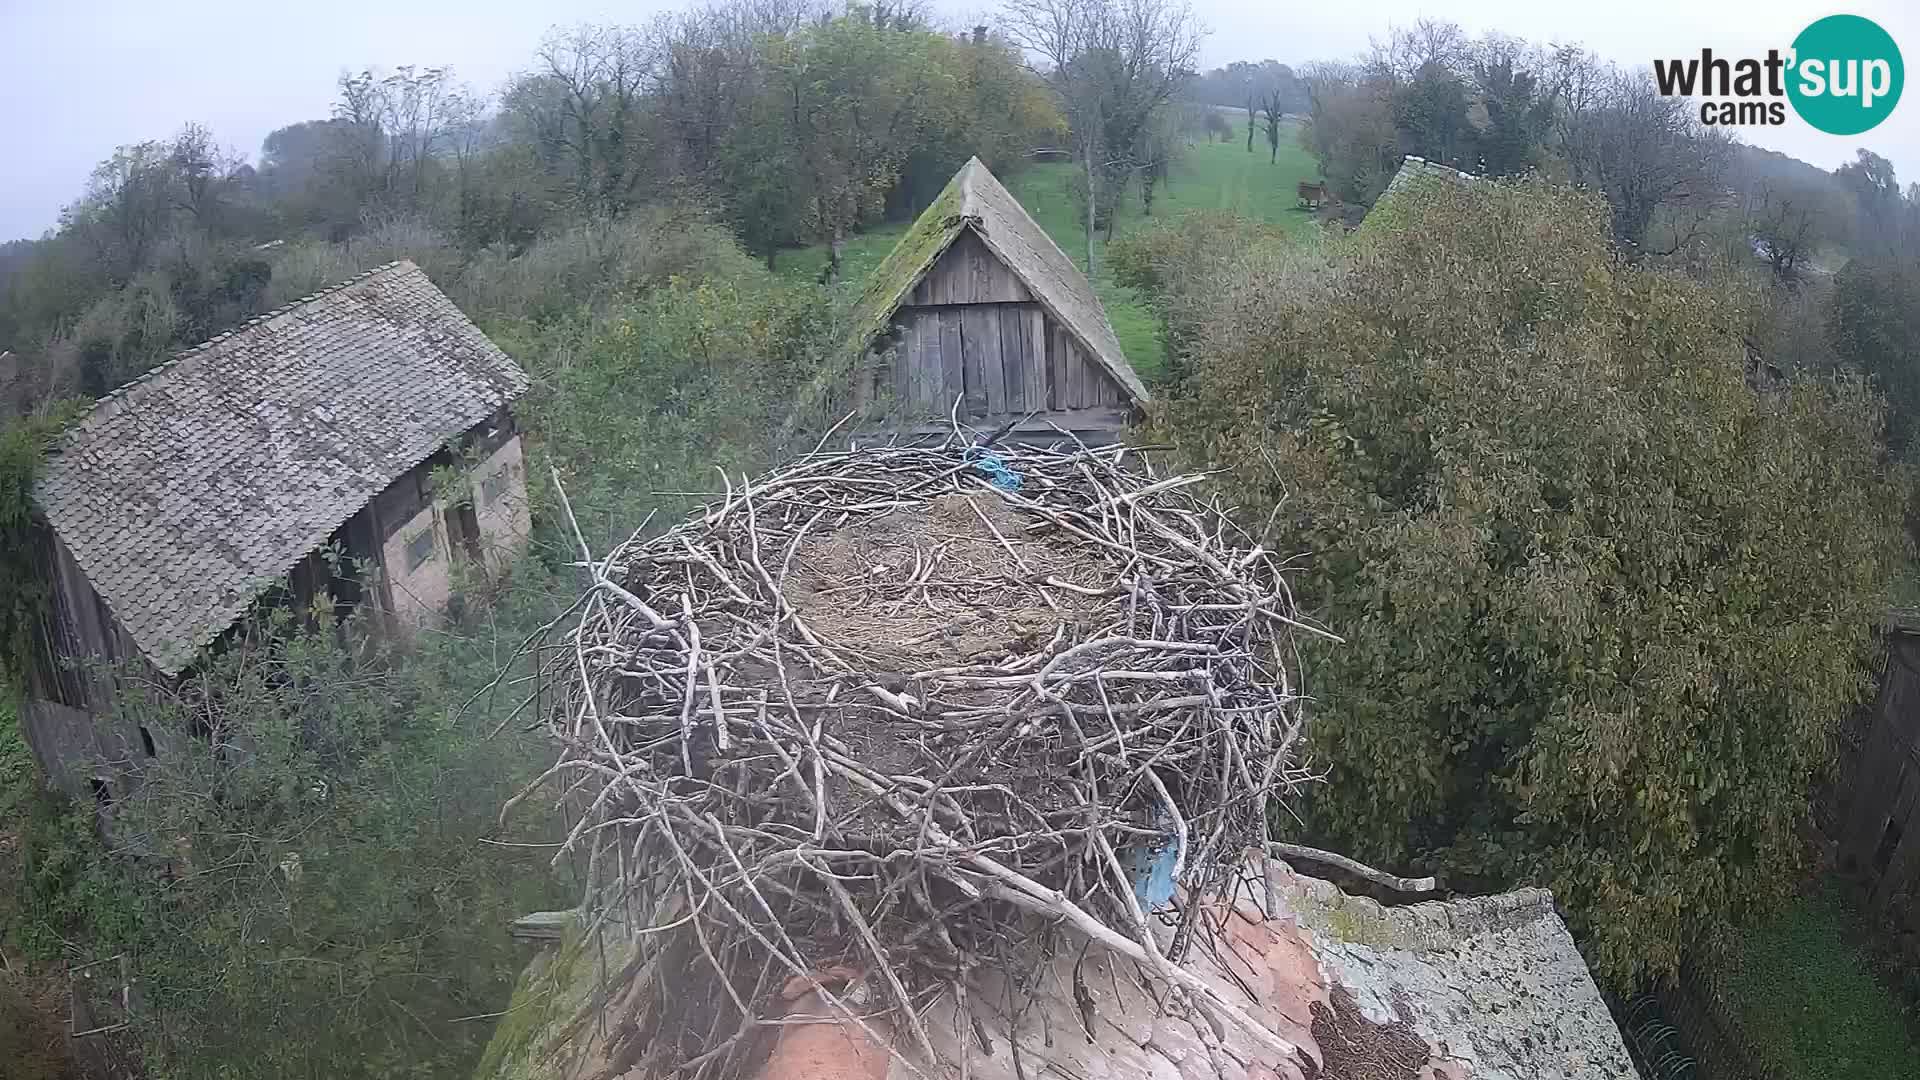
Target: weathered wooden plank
(1036,360)
(988,271)
(953,382)
(976,382)
(902,382)
(1014,355)
(1904,861)
(950,342)
(1076,389)
(981,334)
(1884,761)
(1101,424)
(1056,366)
(864,377)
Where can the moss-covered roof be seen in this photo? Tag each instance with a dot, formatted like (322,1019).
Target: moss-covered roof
(975,199)
(1414,173)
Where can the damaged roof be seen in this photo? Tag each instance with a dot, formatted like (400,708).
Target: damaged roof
(975,199)
(190,491)
(1483,988)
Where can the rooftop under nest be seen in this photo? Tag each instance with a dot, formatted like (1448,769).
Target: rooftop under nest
(881,720)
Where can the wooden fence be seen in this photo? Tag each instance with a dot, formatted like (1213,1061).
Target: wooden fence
(1873,813)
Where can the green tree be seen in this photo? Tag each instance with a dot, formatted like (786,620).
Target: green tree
(1604,604)
(1873,320)
(1431,115)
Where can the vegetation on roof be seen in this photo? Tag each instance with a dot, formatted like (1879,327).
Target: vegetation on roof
(929,235)
(23,593)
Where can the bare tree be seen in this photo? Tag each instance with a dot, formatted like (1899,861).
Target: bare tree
(1644,152)
(583,107)
(1787,222)
(396,124)
(1113,64)
(1408,50)
(199,166)
(1272,107)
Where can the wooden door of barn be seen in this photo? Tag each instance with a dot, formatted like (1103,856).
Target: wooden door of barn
(1878,789)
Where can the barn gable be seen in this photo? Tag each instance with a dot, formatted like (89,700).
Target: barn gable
(977,305)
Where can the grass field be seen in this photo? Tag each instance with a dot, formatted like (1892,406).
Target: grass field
(1212,176)
(1803,995)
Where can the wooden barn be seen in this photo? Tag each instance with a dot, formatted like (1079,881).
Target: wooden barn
(978,308)
(349,448)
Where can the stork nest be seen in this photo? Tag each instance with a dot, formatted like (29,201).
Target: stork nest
(869,722)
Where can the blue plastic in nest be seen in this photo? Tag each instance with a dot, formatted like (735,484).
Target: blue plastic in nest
(996,469)
(1152,872)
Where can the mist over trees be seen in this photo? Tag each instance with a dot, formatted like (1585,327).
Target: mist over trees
(794,124)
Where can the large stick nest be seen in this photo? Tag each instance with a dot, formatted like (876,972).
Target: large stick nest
(869,722)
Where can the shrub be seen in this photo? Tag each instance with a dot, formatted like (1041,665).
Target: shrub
(308,265)
(1604,604)
(658,392)
(594,261)
(1177,262)
(299,879)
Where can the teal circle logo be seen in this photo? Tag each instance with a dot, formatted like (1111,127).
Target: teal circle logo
(1846,75)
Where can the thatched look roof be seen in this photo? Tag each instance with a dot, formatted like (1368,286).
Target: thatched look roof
(187,493)
(974,199)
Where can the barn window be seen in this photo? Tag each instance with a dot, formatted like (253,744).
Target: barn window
(420,549)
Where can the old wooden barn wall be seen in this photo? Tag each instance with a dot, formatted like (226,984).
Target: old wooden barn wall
(80,649)
(971,330)
(1876,811)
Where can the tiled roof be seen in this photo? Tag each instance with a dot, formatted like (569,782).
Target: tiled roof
(1483,988)
(975,199)
(187,493)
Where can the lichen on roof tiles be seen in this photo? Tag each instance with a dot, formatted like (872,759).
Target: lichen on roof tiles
(186,493)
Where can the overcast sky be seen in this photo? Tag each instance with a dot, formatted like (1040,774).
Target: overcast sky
(82,76)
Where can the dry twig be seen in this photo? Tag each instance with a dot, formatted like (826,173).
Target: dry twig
(900,721)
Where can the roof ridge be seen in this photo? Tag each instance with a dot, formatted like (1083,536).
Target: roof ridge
(968,199)
(119,394)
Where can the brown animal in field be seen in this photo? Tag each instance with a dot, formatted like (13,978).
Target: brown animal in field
(1312,193)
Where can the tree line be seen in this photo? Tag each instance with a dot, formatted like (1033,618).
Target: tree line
(792,124)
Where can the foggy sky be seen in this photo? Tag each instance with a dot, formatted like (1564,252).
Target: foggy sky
(82,76)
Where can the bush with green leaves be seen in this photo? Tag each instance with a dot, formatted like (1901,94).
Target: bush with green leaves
(653,395)
(301,881)
(1604,603)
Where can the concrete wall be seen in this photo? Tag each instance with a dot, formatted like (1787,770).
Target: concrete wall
(498,488)
(419,593)
(505,519)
